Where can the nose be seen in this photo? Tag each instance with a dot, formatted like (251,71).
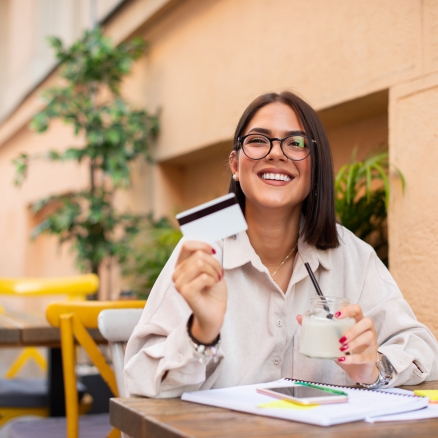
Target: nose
(276,152)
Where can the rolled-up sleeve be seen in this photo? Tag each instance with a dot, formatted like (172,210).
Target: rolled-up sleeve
(409,345)
(159,359)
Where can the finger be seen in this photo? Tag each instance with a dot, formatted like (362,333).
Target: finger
(300,319)
(198,269)
(201,261)
(191,292)
(365,358)
(361,342)
(362,326)
(352,311)
(191,246)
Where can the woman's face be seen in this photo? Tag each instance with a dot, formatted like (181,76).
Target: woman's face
(273,120)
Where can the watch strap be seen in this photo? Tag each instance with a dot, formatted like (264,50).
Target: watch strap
(386,372)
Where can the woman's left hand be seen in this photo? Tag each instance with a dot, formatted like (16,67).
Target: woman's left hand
(361,342)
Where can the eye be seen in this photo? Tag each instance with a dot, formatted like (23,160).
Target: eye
(256,140)
(296,142)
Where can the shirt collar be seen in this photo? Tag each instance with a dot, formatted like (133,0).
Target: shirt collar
(238,251)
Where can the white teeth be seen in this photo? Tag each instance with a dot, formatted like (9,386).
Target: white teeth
(276,176)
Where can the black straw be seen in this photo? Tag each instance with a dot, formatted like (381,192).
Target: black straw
(318,289)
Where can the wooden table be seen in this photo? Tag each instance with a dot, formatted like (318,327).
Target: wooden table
(20,329)
(165,418)
(25,329)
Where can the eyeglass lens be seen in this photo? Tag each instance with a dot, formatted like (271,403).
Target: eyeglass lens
(257,146)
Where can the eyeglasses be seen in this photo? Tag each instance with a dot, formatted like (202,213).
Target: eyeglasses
(258,146)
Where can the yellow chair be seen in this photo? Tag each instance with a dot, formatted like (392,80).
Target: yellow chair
(74,287)
(28,397)
(77,287)
(73,320)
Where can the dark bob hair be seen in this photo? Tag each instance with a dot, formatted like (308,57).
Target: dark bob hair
(319,207)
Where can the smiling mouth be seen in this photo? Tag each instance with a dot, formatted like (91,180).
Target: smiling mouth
(275,177)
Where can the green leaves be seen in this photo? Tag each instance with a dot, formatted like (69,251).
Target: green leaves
(150,250)
(113,134)
(91,223)
(21,164)
(55,43)
(362,195)
(94,59)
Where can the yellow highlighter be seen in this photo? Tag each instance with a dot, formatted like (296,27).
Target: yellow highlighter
(431,393)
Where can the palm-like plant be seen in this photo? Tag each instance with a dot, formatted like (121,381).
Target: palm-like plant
(149,252)
(362,194)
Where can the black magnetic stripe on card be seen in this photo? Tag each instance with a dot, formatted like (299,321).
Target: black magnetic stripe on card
(206,211)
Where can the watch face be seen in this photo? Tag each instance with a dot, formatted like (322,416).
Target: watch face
(387,364)
(385,367)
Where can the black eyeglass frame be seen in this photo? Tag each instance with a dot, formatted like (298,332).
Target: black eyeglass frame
(271,140)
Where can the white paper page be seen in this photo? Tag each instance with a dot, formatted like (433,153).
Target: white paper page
(430,411)
(397,391)
(360,405)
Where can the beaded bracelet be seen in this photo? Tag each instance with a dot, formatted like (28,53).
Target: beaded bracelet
(205,350)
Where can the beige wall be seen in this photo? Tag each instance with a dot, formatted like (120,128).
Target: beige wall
(25,56)
(18,256)
(209,59)
(413,217)
(206,61)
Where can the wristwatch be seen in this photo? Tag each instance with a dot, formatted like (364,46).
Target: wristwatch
(386,372)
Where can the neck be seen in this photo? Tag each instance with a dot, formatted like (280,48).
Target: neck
(272,232)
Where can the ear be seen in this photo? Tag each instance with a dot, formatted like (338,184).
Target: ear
(234,163)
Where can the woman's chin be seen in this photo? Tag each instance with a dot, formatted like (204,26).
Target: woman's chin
(276,204)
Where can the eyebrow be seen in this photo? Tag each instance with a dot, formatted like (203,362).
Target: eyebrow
(269,132)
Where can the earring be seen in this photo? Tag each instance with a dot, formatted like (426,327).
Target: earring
(234,177)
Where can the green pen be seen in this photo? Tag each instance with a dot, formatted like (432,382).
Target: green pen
(322,388)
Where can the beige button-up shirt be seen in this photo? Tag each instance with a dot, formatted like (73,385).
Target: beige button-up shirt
(260,337)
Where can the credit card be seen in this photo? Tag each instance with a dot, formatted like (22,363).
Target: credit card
(213,221)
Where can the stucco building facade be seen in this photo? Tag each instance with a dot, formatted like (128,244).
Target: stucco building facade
(370,68)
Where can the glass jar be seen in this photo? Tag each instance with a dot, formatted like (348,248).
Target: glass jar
(321,331)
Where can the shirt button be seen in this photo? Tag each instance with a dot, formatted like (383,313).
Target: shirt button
(279,323)
(401,362)
(276,360)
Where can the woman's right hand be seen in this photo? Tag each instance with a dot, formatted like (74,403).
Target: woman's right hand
(198,277)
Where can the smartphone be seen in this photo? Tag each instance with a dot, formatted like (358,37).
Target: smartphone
(304,395)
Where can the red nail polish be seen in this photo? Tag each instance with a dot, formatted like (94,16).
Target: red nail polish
(341,359)
(337,314)
(344,347)
(343,339)
(213,251)
(219,278)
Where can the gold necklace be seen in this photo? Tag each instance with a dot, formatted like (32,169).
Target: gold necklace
(283,262)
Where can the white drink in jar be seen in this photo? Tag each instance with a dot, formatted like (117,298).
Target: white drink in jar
(321,331)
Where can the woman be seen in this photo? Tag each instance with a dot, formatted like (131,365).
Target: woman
(251,291)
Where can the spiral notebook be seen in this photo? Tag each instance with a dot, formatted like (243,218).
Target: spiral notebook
(363,404)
